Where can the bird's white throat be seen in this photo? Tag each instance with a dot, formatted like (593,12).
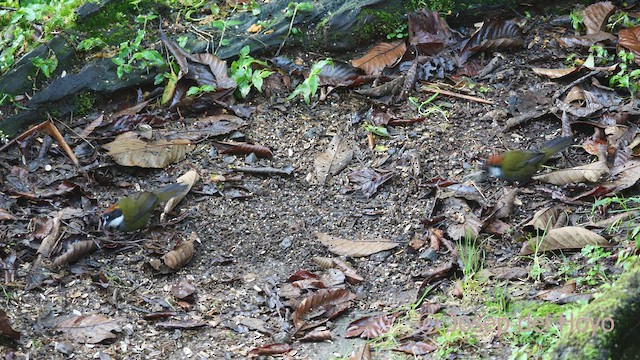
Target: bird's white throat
(495,171)
(115,222)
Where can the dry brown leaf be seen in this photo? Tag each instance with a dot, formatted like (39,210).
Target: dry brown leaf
(568,237)
(630,39)
(381,55)
(334,159)
(595,16)
(415,348)
(129,150)
(327,263)
(75,251)
(5,327)
(89,329)
(547,219)
(555,73)
(586,173)
(271,349)
(354,248)
(243,148)
(362,354)
(370,326)
(504,273)
(176,258)
(470,226)
(320,307)
(317,336)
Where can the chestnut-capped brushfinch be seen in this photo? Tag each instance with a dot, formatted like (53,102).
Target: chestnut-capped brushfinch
(520,165)
(133,212)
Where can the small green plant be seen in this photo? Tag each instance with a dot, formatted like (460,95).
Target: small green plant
(309,86)
(577,20)
(399,32)
(601,55)
(626,78)
(47,66)
(144,19)
(621,18)
(537,268)
(451,341)
(90,44)
(245,76)
(292,11)
(426,108)
(471,256)
(222,25)
(595,274)
(199,90)
(132,56)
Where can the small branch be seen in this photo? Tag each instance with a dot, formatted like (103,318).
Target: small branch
(453,94)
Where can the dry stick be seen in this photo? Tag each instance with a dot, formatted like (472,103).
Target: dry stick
(453,94)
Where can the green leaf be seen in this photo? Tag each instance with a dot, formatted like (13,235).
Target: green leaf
(377,130)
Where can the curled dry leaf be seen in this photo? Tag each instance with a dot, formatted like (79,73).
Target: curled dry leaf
(321,307)
(317,336)
(174,259)
(5,327)
(89,329)
(334,159)
(547,219)
(568,237)
(586,173)
(128,149)
(242,148)
(363,354)
(595,16)
(371,326)
(354,248)
(380,56)
(415,348)
(327,263)
(75,251)
(189,179)
(271,349)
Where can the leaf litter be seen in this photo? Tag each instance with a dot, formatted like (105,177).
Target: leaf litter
(248,232)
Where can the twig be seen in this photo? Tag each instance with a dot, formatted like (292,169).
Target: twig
(453,94)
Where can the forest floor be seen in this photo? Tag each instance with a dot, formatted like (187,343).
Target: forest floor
(254,231)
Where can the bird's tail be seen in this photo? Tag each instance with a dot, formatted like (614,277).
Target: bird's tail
(168,191)
(556,145)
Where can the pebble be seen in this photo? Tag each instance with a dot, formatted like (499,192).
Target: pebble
(429,254)
(286,243)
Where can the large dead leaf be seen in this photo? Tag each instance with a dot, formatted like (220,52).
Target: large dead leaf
(89,329)
(382,55)
(271,349)
(429,32)
(568,237)
(630,39)
(494,34)
(586,173)
(334,159)
(595,16)
(129,150)
(354,248)
(465,225)
(362,354)
(328,263)
(555,73)
(321,307)
(416,348)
